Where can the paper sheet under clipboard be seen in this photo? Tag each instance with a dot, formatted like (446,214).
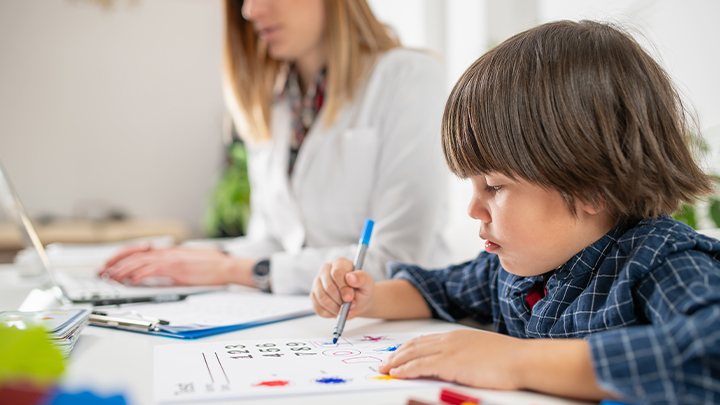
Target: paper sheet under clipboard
(211,313)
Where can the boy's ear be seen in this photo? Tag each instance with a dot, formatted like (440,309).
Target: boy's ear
(594,208)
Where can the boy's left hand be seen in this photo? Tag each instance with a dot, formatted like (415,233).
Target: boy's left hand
(470,357)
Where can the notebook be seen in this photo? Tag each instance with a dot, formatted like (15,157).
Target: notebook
(62,325)
(83,286)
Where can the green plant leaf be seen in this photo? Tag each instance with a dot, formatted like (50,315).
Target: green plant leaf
(229,209)
(686,215)
(715,211)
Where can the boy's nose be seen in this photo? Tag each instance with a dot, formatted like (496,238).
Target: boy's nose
(477,210)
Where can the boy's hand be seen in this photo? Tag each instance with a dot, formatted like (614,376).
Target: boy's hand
(337,283)
(470,357)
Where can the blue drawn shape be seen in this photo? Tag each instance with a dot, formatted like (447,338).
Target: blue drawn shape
(389,348)
(324,344)
(331,380)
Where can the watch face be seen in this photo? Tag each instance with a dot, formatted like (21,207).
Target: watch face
(261,275)
(262,268)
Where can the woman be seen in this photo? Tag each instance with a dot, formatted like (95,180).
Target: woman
(341,124)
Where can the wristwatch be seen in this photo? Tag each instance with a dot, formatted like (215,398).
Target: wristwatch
(261,275)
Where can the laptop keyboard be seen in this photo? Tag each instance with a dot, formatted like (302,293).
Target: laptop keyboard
(91,288)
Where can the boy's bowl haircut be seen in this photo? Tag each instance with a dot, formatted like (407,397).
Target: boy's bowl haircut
(581,108)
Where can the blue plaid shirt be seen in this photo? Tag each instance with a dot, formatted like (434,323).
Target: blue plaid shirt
(647,299)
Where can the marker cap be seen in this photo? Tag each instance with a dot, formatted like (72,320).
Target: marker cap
(366,232)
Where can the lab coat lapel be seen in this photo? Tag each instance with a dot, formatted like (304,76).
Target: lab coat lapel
(287,219)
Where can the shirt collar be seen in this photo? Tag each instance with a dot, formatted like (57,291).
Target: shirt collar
(589,258)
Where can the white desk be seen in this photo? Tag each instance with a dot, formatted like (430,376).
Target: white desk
(108,361)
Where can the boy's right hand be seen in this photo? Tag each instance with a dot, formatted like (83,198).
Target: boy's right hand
(337,283)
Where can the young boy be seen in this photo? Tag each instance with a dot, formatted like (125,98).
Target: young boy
(575,142)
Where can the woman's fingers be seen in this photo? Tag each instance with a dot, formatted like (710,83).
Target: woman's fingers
(126,267)
(150,270)
(143,247)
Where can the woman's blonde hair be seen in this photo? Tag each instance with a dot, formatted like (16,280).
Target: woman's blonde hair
(353,39)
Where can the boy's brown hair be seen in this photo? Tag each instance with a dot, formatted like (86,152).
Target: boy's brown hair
(580,108)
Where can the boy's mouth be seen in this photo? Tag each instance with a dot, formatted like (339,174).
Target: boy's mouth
(490,246)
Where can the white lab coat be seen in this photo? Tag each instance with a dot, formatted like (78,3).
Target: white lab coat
(381,159)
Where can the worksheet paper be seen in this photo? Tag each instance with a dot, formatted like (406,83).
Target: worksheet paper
(276,367)
(218,309)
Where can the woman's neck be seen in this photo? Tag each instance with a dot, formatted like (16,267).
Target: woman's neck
(309,65)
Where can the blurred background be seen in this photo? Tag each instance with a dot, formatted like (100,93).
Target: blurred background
(113,108)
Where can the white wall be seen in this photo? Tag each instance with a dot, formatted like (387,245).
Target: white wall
(684,37)
(117,107)
(122,106)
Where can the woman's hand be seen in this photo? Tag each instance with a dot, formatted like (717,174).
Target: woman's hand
(183,265)
(335,284)
(469,357)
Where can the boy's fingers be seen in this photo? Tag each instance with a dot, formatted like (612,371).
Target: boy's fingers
(411,350)
(324,304)
(330,288)
(338,274)
(340,267)
(357,279)
(348,294)
(319,308)
(425,366)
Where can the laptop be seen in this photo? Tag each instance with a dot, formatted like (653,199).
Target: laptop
(84,287)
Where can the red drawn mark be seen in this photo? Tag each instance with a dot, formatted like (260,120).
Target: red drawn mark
(367,338)
(273,383)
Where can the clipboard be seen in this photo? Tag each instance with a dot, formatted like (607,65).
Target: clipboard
(203,315)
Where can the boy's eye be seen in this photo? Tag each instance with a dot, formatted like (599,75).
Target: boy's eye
(492,189)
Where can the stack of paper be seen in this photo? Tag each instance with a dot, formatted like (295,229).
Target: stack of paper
(63,325)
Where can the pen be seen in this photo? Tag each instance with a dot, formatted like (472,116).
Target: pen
(133,300)
(359,257)
(146,323)
(120,323)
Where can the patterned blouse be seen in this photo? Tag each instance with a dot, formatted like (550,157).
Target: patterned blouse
(304,109)
(647,299)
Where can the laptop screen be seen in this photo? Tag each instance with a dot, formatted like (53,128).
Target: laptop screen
(14,209)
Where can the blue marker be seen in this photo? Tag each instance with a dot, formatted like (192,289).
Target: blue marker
(357,264)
